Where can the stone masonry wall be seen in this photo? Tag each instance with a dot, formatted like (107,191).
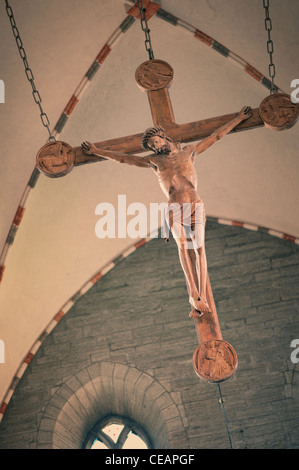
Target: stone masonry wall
(131,335)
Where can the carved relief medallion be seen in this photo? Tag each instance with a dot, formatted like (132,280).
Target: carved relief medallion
(154,75)
(215,361)
(278,111)
(55,159)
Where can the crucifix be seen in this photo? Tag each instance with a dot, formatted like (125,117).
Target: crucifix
(214,360)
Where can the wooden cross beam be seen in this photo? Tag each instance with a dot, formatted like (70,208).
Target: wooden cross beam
(214,360)
(276,112)
(189,132)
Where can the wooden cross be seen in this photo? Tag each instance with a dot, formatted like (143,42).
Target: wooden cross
(214,360)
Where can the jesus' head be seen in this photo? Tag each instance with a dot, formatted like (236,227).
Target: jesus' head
(154,138)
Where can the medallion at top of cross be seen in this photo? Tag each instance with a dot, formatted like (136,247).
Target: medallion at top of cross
(154,75)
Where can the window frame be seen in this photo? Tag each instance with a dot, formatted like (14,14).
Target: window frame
(129,425)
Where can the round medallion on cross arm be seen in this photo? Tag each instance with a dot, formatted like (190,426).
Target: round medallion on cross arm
(215,361)
(154,75)
(55,159)
(278,111)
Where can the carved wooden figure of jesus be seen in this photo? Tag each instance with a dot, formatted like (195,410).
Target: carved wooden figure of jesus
(174,167)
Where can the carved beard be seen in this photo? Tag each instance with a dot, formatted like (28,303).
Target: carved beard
(164,149)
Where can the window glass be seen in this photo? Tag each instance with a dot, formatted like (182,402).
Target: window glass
(133,441)
(98,445)
(113,430)
(117,433)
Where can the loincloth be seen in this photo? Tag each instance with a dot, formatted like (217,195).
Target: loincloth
(185,220)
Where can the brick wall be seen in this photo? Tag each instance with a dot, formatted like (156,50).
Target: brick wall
(126,348)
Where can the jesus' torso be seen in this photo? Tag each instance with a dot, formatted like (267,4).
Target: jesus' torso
(177,175)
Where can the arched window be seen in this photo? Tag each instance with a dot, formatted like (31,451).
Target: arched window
(116,432)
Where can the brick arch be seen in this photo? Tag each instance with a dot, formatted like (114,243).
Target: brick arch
(104,389)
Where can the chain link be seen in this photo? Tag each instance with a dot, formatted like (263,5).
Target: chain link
(145,29)
(270,47)
(29,74)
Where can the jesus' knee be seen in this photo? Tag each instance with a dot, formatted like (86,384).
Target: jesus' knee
(182,244)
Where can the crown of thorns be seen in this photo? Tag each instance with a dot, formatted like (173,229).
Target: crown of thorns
(150,132)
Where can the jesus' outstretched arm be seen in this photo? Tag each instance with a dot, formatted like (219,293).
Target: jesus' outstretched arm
(91,149)
(245,113)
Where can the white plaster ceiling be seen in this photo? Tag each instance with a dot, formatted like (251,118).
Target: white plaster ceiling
(251,176)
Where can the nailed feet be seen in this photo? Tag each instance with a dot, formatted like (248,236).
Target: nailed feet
(200,306)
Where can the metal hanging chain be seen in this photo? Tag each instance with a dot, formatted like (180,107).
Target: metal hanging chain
(145,28)
(270,47)
(221,401)
(28,71)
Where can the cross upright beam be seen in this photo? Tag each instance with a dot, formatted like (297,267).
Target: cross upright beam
(214,360)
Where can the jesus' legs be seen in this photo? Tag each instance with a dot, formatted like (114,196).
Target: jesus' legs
(191,253)
(188,264)
(188,271)
(198,240)
(202,269)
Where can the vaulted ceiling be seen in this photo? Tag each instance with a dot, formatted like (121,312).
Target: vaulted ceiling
(251,177)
